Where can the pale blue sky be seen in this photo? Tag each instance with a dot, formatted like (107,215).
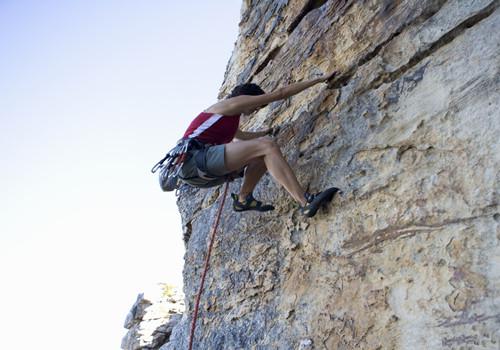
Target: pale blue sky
(92,93)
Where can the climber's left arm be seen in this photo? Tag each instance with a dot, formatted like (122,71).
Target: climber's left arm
(249,135)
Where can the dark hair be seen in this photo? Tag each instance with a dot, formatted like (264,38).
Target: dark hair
(246,89)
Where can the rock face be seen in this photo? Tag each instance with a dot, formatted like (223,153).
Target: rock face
(409,256)
(151,320)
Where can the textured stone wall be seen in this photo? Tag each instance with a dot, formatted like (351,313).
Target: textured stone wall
(151,319)
(409,256)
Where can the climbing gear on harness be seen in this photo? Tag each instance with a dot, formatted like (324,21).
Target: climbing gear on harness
(171,173)
(250,203)
(205,268)
(315,201)
(170,166)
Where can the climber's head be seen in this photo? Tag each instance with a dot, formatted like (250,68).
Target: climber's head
(247,89)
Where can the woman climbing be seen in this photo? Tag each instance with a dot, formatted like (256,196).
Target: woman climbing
(212,157)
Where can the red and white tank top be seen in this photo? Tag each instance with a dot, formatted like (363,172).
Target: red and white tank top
(216,129)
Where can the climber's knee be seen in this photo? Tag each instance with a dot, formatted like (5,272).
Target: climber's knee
(268,145)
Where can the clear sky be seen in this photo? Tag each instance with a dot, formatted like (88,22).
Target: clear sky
(92,94)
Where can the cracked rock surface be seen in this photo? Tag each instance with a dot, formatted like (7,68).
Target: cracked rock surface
(409,256)
(152,318)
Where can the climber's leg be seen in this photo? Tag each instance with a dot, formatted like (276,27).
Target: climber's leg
(240,154)
(253,173)
(245,200)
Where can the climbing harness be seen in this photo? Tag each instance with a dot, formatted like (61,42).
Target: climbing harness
(205,269)
(173,161)
(170,165)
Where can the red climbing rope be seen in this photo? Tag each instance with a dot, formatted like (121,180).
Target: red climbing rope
(207,259)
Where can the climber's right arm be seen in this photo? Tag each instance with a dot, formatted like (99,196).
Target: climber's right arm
(244,103)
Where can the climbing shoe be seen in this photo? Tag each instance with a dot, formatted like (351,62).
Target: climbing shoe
(315,201)
(250,203)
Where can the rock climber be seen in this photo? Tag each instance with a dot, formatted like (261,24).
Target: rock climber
(213,157)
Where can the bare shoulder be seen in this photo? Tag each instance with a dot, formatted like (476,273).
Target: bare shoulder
(226,107)
(217,108)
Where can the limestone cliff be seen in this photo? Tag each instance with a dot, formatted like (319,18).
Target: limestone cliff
(409,256)
(151,319)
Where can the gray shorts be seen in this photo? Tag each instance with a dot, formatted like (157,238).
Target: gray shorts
(215,166)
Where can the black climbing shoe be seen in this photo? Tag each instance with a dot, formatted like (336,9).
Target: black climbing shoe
(250,203)
(315,201)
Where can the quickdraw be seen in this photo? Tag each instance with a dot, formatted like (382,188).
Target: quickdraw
(171,164)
